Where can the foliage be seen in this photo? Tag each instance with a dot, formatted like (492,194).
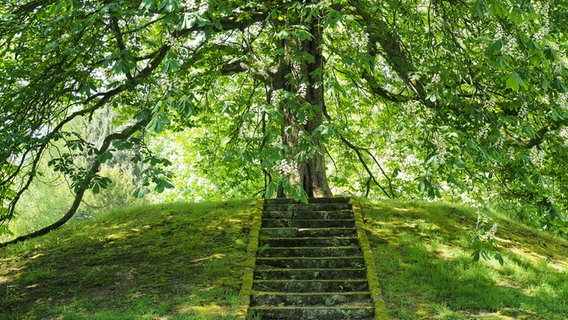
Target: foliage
(461,100)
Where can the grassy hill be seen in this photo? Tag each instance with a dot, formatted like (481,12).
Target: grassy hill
(184,261)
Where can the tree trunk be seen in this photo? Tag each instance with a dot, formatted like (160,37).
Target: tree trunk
(300,73)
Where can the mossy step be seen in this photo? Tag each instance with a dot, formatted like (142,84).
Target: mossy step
(313,214)
(312,313)
(309,251)
(311,299)
(308,223)
(310,200)
(307,207)
(308,241)
(263,273)
(311,285)
(308,232)
(312,262)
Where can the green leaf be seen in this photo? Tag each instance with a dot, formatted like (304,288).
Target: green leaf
(162,184)
(271,189)
(422,185)
(105,156)
(480,8)
(499,258)
(98,183)
(169,5)
(146,4)
(476,255)
(395,172)
(550,54)
(299,194)
(158,123)
(514,81)
(141,192)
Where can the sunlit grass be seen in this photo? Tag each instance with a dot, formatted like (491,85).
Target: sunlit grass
(184,261)
(426,270)
(176,261)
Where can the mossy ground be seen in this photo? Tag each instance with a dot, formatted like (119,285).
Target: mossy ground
(185,261)
(425,266)
(174,261)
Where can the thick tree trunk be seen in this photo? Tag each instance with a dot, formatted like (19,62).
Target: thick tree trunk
(304,113)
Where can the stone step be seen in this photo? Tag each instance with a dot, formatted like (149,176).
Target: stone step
(309,251)
(308,232)
(321,215)
(310,200)
(307,207)
(263,273)
(312,262)
(311,285)
(311,299)
(308,241)
(308,223)
(312,313)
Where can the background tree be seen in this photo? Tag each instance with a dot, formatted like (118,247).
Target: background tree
(465,98)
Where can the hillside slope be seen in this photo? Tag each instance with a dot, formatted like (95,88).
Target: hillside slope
(175,261)
(424,260)
(184,261)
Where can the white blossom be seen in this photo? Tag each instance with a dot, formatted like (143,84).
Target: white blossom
(482,134)
(541,8)
(541,33)
(537,157)
(436,78)
(499,33)
(551,199)
(563,100)
(287,167)
(523,111)
(510,46)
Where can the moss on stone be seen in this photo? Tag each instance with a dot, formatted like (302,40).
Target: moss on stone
(248,273)
(376,294)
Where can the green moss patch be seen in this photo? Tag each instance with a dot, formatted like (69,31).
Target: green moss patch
(177,261)
(425,267)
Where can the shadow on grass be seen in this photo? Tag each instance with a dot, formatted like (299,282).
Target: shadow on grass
(179,261)
(426,272)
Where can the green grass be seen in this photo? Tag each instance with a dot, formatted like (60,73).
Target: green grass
(175,261)
(185,261)
(426,270)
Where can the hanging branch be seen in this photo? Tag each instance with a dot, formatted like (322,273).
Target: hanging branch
(84,186)
(382,171)
(358,150)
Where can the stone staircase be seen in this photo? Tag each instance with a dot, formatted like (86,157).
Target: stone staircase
(309,263)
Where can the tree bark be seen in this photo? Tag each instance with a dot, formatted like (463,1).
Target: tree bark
(301,72)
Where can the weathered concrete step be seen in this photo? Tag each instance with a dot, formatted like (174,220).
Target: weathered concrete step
(312,262)
(311,285)
(322,215)
(307,207)
(312,313)
(308,223)
(309,251)
(308,232)
(310,200)
(263,273)
(309,241)
(311,299)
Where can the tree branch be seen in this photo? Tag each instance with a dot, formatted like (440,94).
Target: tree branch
(94,169)
(362,160)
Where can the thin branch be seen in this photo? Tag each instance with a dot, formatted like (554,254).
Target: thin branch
(362,160)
